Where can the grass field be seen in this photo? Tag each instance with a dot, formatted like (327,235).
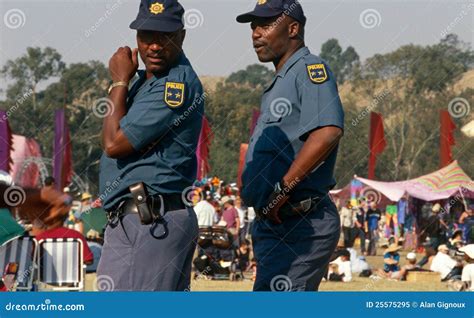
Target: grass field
(357,284)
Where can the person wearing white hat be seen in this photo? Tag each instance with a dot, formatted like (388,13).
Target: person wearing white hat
(410,266)
(445,264)
(467,276)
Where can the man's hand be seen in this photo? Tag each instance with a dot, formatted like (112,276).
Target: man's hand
(123,64)
(275,202)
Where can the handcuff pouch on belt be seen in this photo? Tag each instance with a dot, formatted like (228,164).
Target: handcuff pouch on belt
(144,203)
(147,210)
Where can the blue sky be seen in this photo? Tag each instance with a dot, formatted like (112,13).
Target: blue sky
(83,30)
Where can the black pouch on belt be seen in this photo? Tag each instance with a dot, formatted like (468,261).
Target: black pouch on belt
(144,203)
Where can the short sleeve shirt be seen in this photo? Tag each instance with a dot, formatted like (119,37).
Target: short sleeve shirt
(302,97)
(162,123)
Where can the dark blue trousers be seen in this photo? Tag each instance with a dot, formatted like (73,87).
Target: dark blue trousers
(294,255)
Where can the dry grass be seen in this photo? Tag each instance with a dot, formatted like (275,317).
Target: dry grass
(357,284)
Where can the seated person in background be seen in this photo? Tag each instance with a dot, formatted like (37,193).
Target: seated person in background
(242,258)
(340,269)
(358,263)
(47,210)
(95,242)
(444,264)
(44,207)
(411,266)
(391,260)
(455,242)
(242,255)
(467,276)
(64,232)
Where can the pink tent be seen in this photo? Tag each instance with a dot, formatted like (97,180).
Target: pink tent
(24,148)
(439,185)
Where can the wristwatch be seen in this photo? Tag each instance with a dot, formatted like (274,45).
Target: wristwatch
(116,84)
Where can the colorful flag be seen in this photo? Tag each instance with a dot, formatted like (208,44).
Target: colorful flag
(255,115)
(446,138)
(6,141)
(243,153)
(62,151)
(376,141)
(203,149)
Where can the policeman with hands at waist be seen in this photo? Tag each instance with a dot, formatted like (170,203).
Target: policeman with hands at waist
(149,140)
(292,152)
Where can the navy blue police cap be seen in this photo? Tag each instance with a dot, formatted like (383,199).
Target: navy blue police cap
(273,8)
(161,15)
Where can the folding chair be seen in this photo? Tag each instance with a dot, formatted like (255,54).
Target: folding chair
(22,251)
(60,264)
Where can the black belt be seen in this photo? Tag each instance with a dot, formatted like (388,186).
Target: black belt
(160,204)
(291,209)
(171,202)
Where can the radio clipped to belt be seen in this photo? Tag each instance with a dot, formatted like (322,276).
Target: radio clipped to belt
(148,210)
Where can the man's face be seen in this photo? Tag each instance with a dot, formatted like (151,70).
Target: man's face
(270,37)
(159,50)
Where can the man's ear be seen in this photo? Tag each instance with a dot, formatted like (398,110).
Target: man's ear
(294,29)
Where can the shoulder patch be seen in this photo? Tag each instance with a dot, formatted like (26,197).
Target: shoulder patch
(317,73)
(174,94)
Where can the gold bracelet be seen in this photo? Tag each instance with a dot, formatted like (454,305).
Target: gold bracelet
(116,84)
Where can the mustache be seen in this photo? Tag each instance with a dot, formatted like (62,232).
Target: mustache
(258,44)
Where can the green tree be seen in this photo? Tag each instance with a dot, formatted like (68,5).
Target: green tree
(254,75)
(409,86)
(30,69)
(342,63)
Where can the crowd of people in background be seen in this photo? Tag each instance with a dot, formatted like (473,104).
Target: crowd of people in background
(219,206)
(444,237)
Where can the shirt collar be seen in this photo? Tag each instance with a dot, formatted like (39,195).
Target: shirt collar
(292,60)
(182,60)
(289,63)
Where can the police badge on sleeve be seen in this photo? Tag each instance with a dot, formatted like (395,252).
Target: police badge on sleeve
(317,73)
(174,94)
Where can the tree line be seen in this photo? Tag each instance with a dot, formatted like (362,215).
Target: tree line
(408,86)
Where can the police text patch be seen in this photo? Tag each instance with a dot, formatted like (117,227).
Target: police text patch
(174,94)
(317,73)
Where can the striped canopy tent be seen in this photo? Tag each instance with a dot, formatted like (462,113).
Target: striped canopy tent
(439,185)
